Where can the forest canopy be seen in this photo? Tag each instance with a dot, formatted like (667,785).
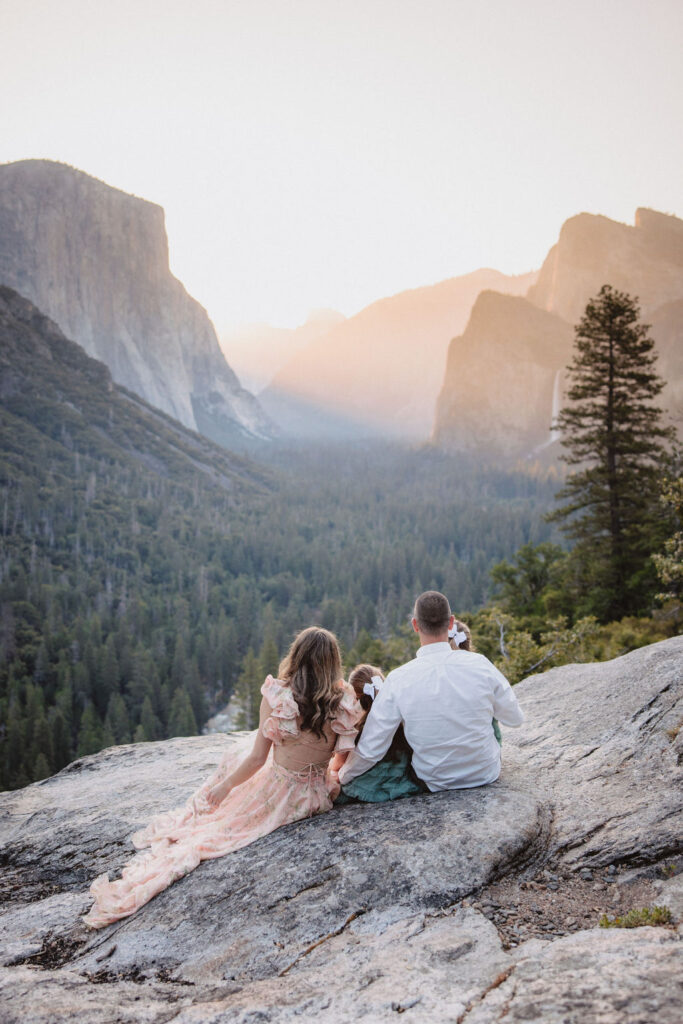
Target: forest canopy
(146,573)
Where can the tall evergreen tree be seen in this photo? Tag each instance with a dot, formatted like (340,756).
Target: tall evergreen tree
(669,562)
(613,435)
(41,767)
(248,692)
(181,720)
(61,742)
(268,659)
(521,584)
(149,723)
(90,732)
(117,719)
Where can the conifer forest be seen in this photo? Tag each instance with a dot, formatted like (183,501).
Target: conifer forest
(147,574)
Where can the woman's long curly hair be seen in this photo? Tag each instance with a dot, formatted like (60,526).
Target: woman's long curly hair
(312,669)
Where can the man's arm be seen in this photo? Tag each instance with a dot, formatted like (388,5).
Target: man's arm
(382,722)
(505,706)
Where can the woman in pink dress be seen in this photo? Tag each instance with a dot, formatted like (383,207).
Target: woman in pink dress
(306,715)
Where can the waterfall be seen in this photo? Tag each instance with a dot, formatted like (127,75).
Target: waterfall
(554,435)
(557,398)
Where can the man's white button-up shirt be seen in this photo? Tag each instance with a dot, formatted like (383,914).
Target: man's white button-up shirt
(445,700)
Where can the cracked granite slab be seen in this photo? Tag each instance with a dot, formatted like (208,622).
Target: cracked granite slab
(357,914)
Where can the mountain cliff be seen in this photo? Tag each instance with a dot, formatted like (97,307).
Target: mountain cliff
(504,375)
(645,259)
(95,260)
(504,379)
(380,370)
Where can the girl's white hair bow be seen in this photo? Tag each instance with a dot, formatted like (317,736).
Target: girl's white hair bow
(372,688)
(458,635)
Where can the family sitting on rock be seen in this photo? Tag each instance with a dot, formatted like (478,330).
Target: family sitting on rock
(431,725)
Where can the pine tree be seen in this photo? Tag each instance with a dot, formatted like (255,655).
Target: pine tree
(149,723)
(15,745)
(669,562)
(117,720)
(521,586)
(248,692)
(268,659)
(41,768)
(195,692)
(179,666)
(90,732)
(42,740)
(181,720)
(612,433)
(61,741)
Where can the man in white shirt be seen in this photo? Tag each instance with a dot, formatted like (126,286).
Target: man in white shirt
(446,701)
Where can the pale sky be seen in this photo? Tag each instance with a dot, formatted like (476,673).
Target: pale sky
(325,153)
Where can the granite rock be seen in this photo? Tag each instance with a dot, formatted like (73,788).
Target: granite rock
(279,894)
(358,914)
(644,258)
(483,411)
(95,260)
(601,976)
(600,738)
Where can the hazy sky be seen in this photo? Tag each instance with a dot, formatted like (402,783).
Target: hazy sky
(313,153)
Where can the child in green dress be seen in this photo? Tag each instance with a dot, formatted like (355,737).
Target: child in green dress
(391,778)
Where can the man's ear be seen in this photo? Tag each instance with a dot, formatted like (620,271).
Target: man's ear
(451,622)
(414,625)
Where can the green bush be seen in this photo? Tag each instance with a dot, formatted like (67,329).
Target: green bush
(648,916)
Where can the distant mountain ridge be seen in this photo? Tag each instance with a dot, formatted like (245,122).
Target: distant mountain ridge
(95,260)
(505,375)
(379,372)
(258,351)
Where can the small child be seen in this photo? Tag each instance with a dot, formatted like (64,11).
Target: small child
(391,777)
(460,639)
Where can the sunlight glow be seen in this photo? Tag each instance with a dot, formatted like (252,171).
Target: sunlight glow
(324,155)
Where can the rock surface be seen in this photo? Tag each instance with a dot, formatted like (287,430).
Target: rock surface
(95,260)
(602,735)
(644,258)
(366,912)
(501,379)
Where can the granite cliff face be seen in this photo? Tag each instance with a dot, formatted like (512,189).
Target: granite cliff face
(645,259)
(372,911)
(515,383)
(503,376)
(95,260)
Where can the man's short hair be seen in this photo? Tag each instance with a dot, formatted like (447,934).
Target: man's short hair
(433,612)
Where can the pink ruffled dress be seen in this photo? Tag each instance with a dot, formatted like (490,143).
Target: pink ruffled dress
(294,783)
